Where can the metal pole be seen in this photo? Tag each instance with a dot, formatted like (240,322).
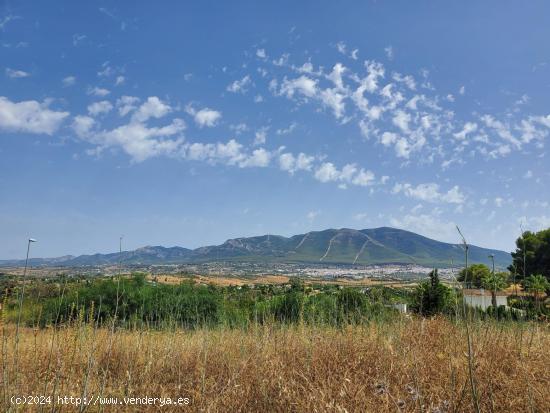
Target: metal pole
(119,256)
(21,296)
(492,256)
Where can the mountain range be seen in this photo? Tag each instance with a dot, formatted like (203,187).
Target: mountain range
(332,246)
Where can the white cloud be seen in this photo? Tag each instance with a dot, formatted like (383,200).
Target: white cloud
(468,128)
(361,216)
(402,148)
(389,52)
(126,104)
(261,53)
(99,108)
(83,125)
(290,163)
(140,141)
(135,138)
(408,80)
(282,61)
(375,72)
(401,119)
(78,38)
(259,158)
(6,19)
(304,85)
(288,130)
(153,107)
(120,80)
(502,129)
(239,128)
(106,70)
(335,76)
(307,67)
(260,136)
(430,225)
(334,100)
(16,74)
(499,202)
(535,223)
(388,138)
(312,215)
(430,192)
(240,86)
(230,153)
(341,47)
(327,172)
(204,117)
(68,81)
(350,174)
(29,117)
(98,91)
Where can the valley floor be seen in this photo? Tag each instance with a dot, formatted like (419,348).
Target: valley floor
(411,365)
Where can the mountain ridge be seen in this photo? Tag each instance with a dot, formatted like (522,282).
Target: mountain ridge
(383,245)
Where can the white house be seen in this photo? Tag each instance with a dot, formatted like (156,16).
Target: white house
(482,298)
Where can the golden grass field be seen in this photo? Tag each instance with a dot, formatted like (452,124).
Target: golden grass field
(411,365)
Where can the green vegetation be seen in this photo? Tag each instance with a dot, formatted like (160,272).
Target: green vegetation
(532,254)
(494,282)
(135,302)
(475,274)
(432,297)
(537,285)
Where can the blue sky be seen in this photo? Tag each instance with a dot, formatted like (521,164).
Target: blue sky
(193,122)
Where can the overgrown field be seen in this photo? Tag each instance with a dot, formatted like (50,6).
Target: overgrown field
(407,365)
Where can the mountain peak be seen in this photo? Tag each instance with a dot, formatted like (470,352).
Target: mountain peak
(383,245)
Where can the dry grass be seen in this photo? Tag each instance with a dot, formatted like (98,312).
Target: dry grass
(411,365)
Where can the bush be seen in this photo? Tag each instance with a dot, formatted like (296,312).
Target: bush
(431,297)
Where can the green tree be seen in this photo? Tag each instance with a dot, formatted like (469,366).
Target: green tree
(432,297)
(533,249)
(352,304)
(476,273)
(495,282)
(537,285)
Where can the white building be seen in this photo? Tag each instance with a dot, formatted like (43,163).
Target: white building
(483,299)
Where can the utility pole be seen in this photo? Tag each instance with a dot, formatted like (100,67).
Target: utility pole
(494,297)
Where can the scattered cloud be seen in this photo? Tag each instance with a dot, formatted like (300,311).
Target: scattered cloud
(127,104)
(16,74)
(260,136)
(78,39)
(430,192)
(68,81)
(204,117)
(240,86)
(29,116)
(153,107)
(98,91)
(6,19)
(100,108)
(430,225)
(312,215)
(349,174)
(288,130)
(291,163)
